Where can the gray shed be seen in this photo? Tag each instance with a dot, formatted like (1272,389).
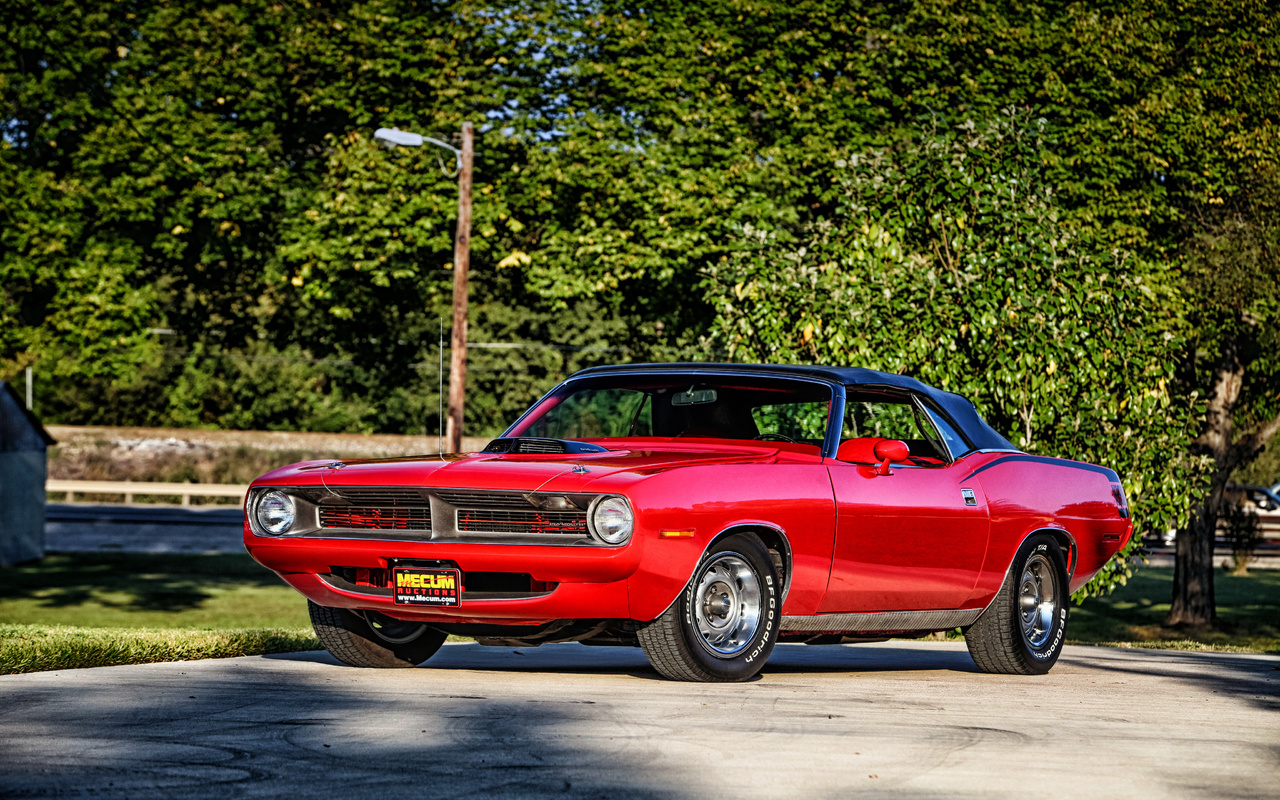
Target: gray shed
(23,468)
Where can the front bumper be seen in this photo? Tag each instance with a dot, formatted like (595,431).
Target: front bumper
(591,580)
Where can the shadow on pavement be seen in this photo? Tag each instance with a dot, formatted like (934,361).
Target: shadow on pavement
(1254,679)
(317,737)
(571,659)
(497,723)
(131,582)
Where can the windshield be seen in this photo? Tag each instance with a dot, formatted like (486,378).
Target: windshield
(683,406)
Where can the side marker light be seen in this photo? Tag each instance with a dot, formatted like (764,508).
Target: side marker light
(675,534)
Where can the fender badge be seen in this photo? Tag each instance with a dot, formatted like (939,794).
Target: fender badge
(969,498)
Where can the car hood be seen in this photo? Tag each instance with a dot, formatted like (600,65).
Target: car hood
(514,472)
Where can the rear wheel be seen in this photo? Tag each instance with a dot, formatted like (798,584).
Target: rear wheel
(1022,631)
(724,624)
(371,639)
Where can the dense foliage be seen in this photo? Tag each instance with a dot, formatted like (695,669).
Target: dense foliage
(196,228)
(948,260)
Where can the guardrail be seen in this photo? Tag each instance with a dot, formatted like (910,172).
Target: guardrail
(129,488)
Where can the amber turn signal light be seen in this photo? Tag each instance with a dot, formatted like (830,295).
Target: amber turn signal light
(675,534)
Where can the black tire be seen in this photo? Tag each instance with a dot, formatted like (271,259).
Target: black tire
(370,639)
(731,649)
(1020,633)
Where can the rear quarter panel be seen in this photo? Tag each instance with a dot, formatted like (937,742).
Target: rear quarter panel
(1028,493)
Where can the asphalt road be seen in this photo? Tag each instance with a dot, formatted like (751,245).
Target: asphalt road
(85,528)
(899,719)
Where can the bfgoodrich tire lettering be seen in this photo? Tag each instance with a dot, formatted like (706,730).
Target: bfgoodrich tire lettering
(369,639)
(1022,631)
(725,623)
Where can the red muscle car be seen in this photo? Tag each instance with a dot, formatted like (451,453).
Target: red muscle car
(703,512)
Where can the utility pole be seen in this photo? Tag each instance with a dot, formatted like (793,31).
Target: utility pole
(461,266)
(394,137)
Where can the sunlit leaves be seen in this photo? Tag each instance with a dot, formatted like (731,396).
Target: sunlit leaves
(1060,339)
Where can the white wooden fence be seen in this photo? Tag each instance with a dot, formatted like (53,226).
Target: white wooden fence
(128,488)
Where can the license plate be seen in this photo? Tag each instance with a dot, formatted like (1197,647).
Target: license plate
(426,587)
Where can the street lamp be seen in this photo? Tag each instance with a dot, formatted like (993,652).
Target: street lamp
(461,264)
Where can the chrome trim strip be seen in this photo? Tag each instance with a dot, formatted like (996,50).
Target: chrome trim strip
(883,621)
(835,423)
(947,455)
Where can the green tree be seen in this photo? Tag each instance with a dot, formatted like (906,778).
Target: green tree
(1232,259)
(73,293)
(948,260)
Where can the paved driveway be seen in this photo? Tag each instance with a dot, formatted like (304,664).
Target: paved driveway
(910,720)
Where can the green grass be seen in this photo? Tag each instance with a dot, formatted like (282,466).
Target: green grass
(37,648)
(192,592)
(1133,615)
(99,610)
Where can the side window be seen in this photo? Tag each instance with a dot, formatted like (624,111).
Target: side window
(893,417)
(882,417)
(955,442)
(800,422)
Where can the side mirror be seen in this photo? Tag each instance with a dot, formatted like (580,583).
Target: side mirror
(890,450)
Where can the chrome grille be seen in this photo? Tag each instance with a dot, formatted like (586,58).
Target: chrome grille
(383,519)
(540,446)
(377,495)
(529,522)
(522,445)
(484,499)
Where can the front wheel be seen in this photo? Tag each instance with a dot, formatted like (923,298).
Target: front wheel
(370,639)
(1022,631)
(724,624)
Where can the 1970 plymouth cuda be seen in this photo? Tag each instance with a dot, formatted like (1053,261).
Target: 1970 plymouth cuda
(703,512)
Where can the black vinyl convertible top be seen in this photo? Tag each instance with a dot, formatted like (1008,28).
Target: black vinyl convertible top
(981,435)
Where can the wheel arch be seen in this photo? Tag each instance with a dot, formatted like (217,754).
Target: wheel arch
(1065,541)
(775,541)
(771,536)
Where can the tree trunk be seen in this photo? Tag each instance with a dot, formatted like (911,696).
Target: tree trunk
(461,266)
(1193,602)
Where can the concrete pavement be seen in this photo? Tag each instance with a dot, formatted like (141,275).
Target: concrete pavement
(898,719)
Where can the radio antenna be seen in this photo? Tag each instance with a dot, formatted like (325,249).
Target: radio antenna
(440,396)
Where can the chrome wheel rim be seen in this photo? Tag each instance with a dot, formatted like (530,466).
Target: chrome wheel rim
(726,604)
(390,629)
(1037,600)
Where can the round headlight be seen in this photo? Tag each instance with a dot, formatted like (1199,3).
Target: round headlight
(611,520)
(275,512)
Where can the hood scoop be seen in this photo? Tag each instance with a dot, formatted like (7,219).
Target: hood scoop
(525,445)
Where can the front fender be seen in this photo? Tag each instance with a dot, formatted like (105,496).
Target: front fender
(791,502)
